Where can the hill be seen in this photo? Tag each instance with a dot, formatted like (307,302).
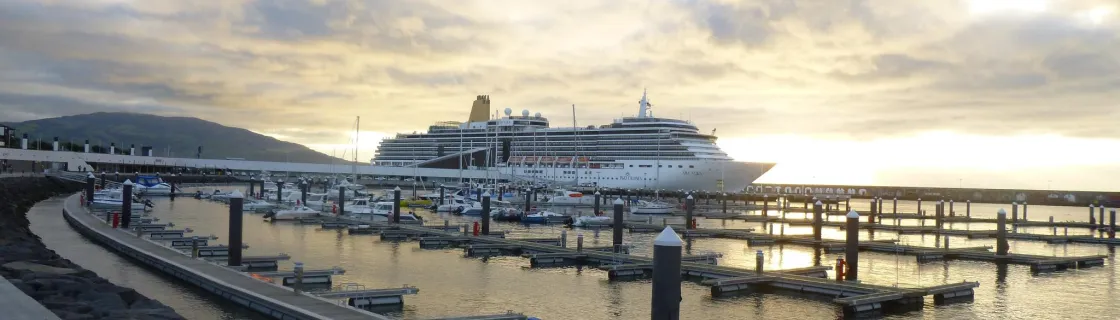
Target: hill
(178,136)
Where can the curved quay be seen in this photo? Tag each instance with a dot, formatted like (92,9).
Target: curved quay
(269,299)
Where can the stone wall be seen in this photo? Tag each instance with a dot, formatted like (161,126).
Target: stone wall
(65,288)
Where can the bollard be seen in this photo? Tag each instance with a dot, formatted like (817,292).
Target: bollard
(617,224)
(485,216)
(596,206)
(298,286)
(194,247)
(126,204)
(236,203)
(563,238)
(871,217)
(397,205)
(579,242)
(89,189)
(1112,224)
(1001,233)
(689,206)
(852,251)
(817,212)
(758,262)
(1092,218)
(666,300)
(341,200)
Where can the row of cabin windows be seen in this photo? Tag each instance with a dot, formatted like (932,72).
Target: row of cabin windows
(661,166)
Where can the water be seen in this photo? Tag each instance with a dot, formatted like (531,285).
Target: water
(452,285)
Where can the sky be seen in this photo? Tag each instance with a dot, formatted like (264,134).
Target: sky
(972,93)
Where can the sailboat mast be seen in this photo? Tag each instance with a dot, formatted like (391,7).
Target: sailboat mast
(354,165)
(575,153)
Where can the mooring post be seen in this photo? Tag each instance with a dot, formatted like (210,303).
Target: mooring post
(126,204)
(441,194)
(1052,226)
(851,252)
(596,206)
(666,300)
(871,217)
(894,206)
(485,216)
(194,246)
(817,213)
(563,237)
(952,213)
(765,206)
(102,179)
(280,191)
(946,242)
(848,204)
(939,214)
(252,188)
(1100,220)
(920,213)
(1092,217)
(89,189)
(479,193)
(397,205)
(501,191)
(236,204)
(690,205)
(616,223)
(1025,211)
(1001,233)
(298,286)
(579,242)
(528,200)
(303,192)
(1014,213)
(1112,223)
(968,209)
(879,211)
(758,262)
(724,203)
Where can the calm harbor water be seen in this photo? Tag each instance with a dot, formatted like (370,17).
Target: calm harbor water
(452,285)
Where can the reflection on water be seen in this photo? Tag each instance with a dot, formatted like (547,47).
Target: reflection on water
(190,302)
(451,285)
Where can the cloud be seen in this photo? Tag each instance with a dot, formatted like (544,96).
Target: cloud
(853,69)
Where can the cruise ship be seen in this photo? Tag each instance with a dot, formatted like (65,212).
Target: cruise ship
(643,151)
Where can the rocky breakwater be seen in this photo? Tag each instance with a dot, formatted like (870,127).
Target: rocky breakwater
(63,287)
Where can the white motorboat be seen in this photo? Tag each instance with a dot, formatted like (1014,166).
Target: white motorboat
(257,205)
(151,186)
(383,212)
(585,221)
(569,198)
(457,205)
(651,207)
(299,212)
(112,199)
(358,206)
(317,201)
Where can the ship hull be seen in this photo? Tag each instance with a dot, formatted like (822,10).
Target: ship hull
(646,174)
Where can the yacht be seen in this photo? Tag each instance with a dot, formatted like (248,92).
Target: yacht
(296,213)
(631,152)
(383,212)
(151,186)
(651,207)
(570,198)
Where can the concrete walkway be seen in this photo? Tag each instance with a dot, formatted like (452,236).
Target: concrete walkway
(18,306)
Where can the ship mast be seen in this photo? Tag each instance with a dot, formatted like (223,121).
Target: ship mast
(354,165)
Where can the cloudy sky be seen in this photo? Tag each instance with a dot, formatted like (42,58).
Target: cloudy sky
(991,93)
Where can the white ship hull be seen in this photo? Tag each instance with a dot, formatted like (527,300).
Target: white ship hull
(643,174)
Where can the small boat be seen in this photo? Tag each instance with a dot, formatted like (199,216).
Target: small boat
(299,212)
(569,198)
(651,207)
(152,186)
(257,205)
(585,221)
(383,212)
(472,211)
(358,206)
(505,214)
(542,217)
(458,205)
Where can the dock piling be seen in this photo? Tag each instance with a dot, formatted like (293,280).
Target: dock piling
(1092,218)
(563,237)
(879,210)
(617,223)
(952,213)
(252,187)
(724,201)
(280,191)
(236,203)
(666,300)
(528,199)
(103,180)
(1112,223)
(397,205)
(968,209)
(441,194)
(1001,233)
(765,206)
(852,242)
(1014,212)
(1052,227)
(690,205)
(579,242)
(1100,220)
(871,217)
(817,223)
(298,286)
(894,206)
(89,190)
(303,192)
(920,212)
(126,204)
(485,216)
(758,262)
(596,206)
(1025,211)
(341,200)
(194,246)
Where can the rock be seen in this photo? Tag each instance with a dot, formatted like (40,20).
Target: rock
(37,268)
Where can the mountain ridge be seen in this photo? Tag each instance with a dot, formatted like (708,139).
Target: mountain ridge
(168,136)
